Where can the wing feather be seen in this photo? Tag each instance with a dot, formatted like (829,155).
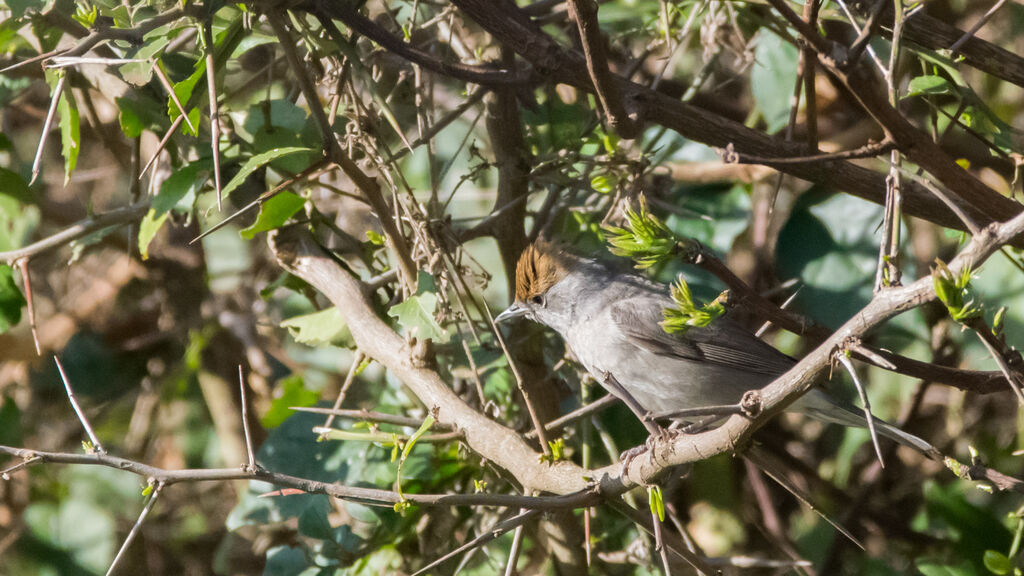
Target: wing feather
(723,342)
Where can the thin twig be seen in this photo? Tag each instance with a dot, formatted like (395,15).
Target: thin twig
(37,162)
(157,487)
(367,185)
(615,387)
(845,361)
(867,151)
(96,446)
(5,474)
(26,278)
(366,415)
(371,496)
(513,553)
(211,89)
(888,270)
(485,537)
(659,543)
(761,459)
(864,36)
(578,414)
(163,143)
(977,26)
(245,421)
(166,83)
(350,377)
(723,410)
(1003,366)
(609,93)
(308,172)
(538,426)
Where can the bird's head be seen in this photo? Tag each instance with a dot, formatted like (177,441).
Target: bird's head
(541,268)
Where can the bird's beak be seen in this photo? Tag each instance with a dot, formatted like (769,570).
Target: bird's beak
(513,311)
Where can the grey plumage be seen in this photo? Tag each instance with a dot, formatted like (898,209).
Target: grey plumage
(611,322)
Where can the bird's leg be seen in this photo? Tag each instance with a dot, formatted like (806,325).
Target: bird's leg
(645,416)
(700,425)
(687,413)
(654,430)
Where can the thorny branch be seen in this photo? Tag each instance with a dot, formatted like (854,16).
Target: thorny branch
(297,252)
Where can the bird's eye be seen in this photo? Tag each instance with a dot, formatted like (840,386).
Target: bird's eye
(538,300)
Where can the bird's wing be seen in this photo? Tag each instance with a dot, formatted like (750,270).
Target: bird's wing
(638,319)
(723,342)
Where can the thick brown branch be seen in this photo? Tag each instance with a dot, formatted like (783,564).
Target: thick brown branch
(299,254)
(606,86)
(865,86)
(934,34)
(513,29)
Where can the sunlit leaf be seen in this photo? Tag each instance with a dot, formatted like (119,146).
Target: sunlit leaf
(256,162)
(320,328)
(273,213)
(70,138)
(416,316)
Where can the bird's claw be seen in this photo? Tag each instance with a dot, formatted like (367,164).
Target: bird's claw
(659,435)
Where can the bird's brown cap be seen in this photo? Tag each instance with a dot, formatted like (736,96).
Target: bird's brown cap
(541,266)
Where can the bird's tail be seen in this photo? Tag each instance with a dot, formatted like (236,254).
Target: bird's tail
(821,407)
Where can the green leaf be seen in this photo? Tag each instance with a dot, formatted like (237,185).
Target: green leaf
(656,502)
(148,227)
(273,213)
(647,240)
(140,73)
(293,392)
(13,185)
(256,162)
(320,329)
(416,316)
(772,78)
(685,314)
(188,180)
(313,522)
(138,112)
(11,300)
(131,123)
(70,138)
(997,563)
(955,292)
(603,184)
(930,85)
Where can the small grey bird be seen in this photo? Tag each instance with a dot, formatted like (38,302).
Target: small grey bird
(611,322)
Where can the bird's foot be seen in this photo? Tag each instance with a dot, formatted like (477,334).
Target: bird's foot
(658,435)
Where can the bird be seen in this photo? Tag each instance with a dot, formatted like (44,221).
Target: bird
(611,322)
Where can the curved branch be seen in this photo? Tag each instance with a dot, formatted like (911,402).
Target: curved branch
(787,388)
(298,253)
